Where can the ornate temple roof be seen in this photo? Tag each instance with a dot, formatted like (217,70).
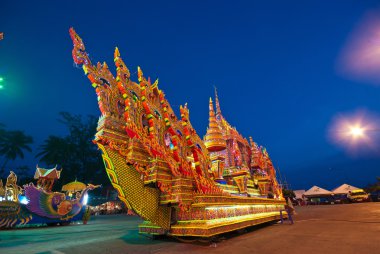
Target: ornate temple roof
(214,138)
(47,173)
(229,131)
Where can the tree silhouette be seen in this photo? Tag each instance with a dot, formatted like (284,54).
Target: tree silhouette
(23,174)
(2,134)
(76,153)
(2,131)
(12,146)
(55,150)
(373,187)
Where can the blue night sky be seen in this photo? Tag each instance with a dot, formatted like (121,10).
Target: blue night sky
(273,63)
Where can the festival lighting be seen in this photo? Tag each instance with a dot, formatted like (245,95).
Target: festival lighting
(179,177)
(85,199)
(23,200)
(40,204)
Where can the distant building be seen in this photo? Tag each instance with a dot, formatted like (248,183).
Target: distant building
(299,194)
(318,195)
(344,189)
(316,191)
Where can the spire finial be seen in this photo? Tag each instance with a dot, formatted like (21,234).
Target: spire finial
(218,111)
(214,139)
(116,54)
(211,108)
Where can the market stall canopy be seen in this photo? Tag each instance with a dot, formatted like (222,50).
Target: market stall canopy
(299,194)
(74,186)
(344,189)
(316,191)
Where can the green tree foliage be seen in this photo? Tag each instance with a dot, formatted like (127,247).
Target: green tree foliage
(288,193)
(2,132)
(75,153)
(2,137)
(13,144)
(24,174)
(56,149)
(373,187)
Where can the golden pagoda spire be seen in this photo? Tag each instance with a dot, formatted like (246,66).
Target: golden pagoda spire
(218,111)
(214,139)
(211,109)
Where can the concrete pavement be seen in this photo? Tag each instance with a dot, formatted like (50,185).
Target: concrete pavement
(351,228)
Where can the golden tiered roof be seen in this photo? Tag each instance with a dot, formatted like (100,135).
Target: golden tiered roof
(214,139)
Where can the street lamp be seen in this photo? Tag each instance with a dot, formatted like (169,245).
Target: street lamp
(354,134)
(356,131)
(360,132)
(350,131)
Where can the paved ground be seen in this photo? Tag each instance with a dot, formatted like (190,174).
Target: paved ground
(353,228)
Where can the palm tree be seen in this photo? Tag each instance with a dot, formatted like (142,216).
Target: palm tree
(12,146)
(2,132)
(56,150)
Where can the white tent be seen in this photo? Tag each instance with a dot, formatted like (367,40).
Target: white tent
(344,189)
(299,194)
(316,191)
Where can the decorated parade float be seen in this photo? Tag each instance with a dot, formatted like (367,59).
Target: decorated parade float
(178,183)
(38,204)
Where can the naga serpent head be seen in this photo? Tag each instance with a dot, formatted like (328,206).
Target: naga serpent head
(79,54)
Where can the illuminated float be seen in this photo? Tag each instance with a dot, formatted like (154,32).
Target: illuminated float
(178,183)
(39,204)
